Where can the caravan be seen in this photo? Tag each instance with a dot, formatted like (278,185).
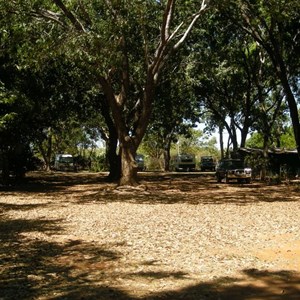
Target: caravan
(64,162)
(183,162)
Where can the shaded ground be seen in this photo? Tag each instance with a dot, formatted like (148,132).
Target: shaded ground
(178,236)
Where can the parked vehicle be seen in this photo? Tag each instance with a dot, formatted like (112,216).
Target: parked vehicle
(207,163)
(64,162)
(140,160)
(183,162)
(230,169)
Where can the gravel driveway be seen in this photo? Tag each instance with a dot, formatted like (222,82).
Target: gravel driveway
(177,236)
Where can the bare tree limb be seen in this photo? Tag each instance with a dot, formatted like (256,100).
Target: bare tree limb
(163,51)
(194,19)
(169,11)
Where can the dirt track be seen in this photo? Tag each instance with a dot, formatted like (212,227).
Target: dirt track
(73,236)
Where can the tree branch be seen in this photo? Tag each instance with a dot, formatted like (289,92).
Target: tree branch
(50,15)
(168,14)
(194,19)
(70,15)
(163,52)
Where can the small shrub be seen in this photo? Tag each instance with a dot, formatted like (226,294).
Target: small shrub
(99,164)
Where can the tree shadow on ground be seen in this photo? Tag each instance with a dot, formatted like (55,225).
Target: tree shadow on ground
(39,182)
(280,285)
(34,267)
(156,188)
(193,189)
(262,285)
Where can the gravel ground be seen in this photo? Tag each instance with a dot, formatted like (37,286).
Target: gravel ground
(183,236)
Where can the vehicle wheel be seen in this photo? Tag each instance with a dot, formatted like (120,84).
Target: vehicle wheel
(227,179)
(219,179)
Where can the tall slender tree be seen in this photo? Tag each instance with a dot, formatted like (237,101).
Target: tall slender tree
(274,25)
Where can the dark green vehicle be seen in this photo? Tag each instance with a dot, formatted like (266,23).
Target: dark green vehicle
(207,163)
(233,169)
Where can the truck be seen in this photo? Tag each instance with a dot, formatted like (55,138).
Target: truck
(207,163)
(183,162)
(64,162)
(140,160)
(233,169)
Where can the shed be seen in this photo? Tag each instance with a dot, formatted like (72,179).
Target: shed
(280,159)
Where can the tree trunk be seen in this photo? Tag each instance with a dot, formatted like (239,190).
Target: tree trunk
(167,158)
(129,167)
(221,141)
(233,135)
(5,168)
(46,153)
(113,158)
(263,173)
(167,155)
(111,140)
(244,134)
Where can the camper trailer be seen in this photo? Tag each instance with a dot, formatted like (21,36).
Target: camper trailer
(183,162)
(64,162)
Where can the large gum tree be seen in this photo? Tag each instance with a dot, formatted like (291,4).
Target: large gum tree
(126,44)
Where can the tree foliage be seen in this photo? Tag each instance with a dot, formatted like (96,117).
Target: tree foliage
(63,63)
(274,26)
